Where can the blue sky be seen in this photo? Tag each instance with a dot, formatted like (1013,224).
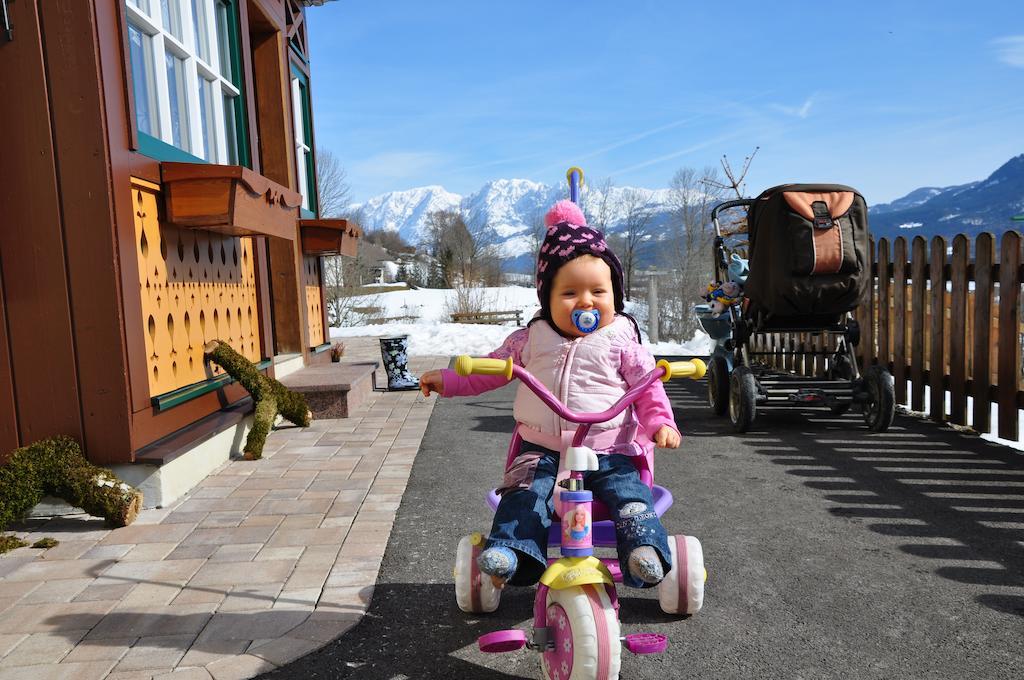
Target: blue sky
(885,96)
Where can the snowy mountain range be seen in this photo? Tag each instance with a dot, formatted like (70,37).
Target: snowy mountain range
(508,209)
(986,205)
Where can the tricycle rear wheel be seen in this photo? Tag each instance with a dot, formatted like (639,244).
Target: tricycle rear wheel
(474,591)
(682,590)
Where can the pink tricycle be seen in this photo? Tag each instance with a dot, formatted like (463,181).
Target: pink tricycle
(576,623)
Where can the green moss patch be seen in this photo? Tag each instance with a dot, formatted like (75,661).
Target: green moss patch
(46,543)
(10,543)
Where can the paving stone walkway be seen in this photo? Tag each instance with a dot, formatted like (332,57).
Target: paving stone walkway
(262,563)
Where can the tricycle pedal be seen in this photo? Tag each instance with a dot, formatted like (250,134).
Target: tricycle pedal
(502,641)
(645,643)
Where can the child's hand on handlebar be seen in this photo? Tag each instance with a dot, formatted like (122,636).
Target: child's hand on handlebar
(666,438)
(431,381)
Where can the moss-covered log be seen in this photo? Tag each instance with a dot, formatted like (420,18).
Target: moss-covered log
(56,467)
(271,396)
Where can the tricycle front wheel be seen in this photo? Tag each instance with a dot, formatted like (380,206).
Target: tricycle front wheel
(584,627)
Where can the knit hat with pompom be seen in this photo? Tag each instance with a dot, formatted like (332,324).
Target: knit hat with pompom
(568,237)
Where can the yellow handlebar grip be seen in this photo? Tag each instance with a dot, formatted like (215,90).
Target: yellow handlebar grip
(467,365)
(694,368)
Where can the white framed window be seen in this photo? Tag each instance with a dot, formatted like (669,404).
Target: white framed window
(183,76)
(303,129)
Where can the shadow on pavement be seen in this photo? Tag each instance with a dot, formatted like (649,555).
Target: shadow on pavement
(380,645)
(957,498)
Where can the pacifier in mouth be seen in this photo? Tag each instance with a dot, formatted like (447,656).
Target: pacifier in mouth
(586,320)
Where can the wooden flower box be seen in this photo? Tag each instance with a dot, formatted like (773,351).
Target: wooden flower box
(229,199)
(329,237)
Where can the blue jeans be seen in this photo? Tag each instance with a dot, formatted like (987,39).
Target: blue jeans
(523,517)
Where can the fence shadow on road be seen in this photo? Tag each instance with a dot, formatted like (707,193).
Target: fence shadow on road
(957,499)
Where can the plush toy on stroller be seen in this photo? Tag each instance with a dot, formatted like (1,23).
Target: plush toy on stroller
(809,268)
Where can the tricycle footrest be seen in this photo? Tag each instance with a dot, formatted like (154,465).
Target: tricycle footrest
(502,641)
(645,643)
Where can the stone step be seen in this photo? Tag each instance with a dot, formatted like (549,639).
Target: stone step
(333,390)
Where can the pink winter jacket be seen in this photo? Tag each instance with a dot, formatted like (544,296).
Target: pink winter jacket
(587,374)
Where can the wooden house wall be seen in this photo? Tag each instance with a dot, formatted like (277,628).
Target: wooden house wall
(73,351)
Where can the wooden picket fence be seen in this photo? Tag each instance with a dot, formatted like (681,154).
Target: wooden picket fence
(947,318)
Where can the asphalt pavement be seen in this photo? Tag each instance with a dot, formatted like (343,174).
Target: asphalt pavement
(832,552)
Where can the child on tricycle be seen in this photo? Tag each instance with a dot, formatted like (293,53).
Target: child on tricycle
(590,409)
(587,352)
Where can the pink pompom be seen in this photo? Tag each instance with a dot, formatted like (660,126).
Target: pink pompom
(565,211)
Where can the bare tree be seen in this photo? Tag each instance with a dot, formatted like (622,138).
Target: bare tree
(692,194)
(598,205)
(734,223)
(343,278)
(331,184)
(635,232)
(685,254)
(735,181)
(536,231)
(390,240)
(462,257)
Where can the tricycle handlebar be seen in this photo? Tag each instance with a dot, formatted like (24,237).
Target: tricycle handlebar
(665,370)
(694,368)
(467,365)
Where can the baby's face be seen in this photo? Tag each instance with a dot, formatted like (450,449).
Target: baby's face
(582,283)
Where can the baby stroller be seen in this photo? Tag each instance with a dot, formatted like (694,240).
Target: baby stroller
(809,268)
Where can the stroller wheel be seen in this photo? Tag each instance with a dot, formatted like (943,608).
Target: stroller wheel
(718,386)
(880,409)
(742,398)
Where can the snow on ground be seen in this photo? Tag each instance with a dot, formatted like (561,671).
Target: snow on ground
(990,436)
(432,334)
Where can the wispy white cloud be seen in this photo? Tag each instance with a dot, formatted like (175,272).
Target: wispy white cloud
(503,161)
(801,111)
(716,108)
(625,141)
(1010,50)
(641,135)
(394,166)
(681,152)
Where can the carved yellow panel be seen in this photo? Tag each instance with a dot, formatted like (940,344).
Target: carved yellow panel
(196,286)
(314,310)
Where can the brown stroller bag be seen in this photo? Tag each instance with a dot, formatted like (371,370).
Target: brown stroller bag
(809,251)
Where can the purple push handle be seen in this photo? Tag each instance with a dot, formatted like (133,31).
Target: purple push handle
(646,643)
(575,177)
(502,641)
